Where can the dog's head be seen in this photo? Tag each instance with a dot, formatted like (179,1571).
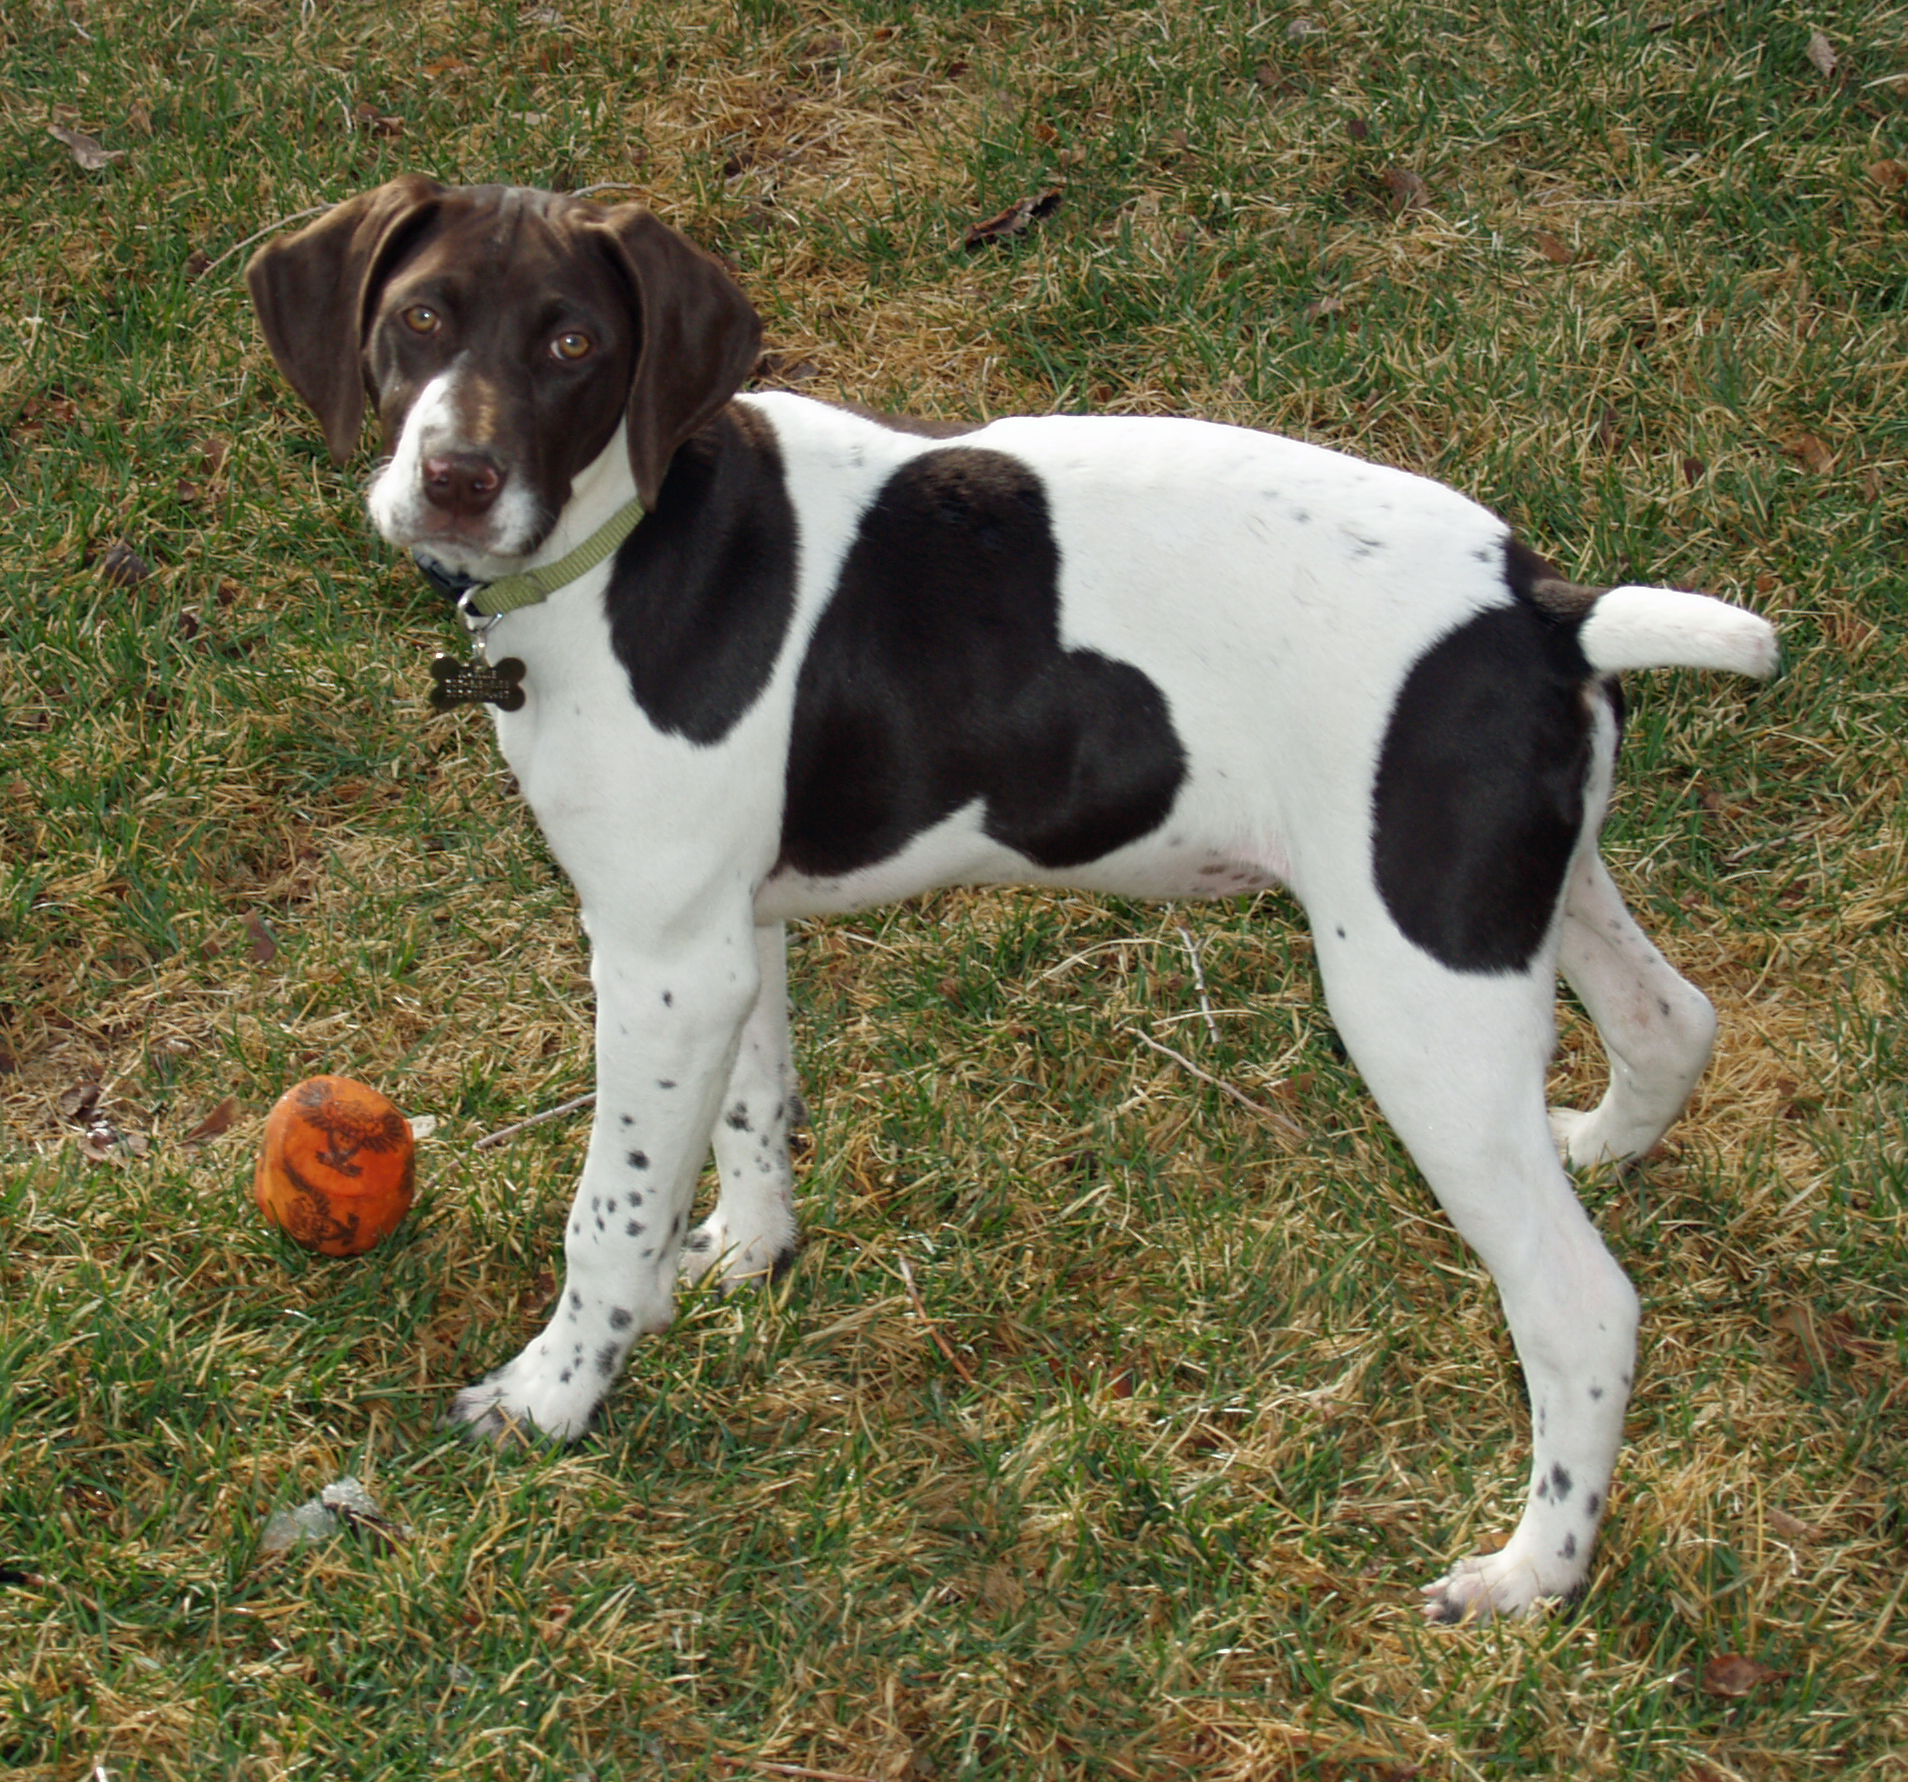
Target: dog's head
(503,335)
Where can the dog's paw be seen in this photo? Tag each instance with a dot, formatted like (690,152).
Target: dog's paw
(710,1250)
(1580,1139)
(1505,1583)
(515,1405)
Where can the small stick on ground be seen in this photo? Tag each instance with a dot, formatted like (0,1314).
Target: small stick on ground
(1199,981)
(491,1139)
(933,1330)
(1291,1128)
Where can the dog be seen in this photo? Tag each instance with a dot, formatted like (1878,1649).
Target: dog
(757,657)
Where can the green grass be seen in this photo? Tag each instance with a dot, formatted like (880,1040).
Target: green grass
(1212,1402)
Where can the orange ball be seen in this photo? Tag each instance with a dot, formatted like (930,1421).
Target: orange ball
(338,1167)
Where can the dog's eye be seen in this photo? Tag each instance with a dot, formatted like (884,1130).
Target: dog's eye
(571,345)
(421,318)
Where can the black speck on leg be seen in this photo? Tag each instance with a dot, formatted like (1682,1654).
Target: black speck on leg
(1569,1548)
(621,1318)
(1560,1482)
(606,1360)
(638,1160)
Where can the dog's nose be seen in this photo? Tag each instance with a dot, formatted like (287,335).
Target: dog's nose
(462,482)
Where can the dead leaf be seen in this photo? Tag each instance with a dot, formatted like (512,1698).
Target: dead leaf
(1792,1528)
(105,1143)
(1731,1674)
(1408,190)
(120,564)
(1558,253)
(1889,175)
(1810,453)
(264,944)
(77,1104)
(1694,470)
(219,1120)
(785,371)
(1823,1342)
(1014,220)
(86,150)
(1799,1322)
(1609,429)
(1822,54)
(1322,309)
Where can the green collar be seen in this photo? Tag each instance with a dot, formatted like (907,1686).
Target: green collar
(527,587)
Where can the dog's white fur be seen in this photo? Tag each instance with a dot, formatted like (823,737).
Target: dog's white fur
(1277,594)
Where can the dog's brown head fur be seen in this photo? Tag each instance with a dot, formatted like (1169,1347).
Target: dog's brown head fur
(588,315)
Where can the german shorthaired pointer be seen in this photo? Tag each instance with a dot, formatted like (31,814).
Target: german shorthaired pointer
(756,657)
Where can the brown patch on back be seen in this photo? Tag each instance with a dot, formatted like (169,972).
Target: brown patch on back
(1537,582)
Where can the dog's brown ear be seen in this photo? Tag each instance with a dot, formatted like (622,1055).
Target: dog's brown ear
(312,290)
(700,339)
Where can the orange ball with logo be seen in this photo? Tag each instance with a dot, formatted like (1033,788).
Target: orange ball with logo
(338,1167)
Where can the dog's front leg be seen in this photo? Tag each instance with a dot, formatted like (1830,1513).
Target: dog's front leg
(668,1022)
(751,1234)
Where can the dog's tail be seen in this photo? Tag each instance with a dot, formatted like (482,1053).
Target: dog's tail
(1662,628)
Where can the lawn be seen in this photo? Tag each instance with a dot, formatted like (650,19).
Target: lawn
(1106,1425)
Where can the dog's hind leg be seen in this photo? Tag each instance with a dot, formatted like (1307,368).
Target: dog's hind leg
(1456,1061)
(1656,1028)
(752,1232)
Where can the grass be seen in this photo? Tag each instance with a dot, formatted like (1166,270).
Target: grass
(1142,1485)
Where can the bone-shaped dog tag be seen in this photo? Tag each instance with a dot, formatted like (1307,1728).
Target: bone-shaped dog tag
(477,683)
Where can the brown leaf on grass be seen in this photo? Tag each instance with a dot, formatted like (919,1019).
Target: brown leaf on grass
(785,371)
(1016,219)
(1609,429)
(1822,54)
(86,150)
(77,1103)
(1694,470)
(105,1143)
(1792,1528)
(1558,253)
(1810,453)
(264,944)
(1823,1342)
(1275,83)
(119,563)
(1322,309)
(219,1120)
(1891,176)
(1408,190)
(1730,1674)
